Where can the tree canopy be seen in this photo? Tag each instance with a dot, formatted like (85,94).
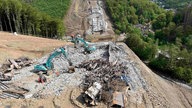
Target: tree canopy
(168,48)
(17,16)
(173,4)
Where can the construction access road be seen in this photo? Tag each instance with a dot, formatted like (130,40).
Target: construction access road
(84,12)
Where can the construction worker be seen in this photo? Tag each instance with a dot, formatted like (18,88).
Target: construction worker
(42,78)
(73,38)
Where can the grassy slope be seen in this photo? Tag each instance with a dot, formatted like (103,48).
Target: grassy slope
(55,8)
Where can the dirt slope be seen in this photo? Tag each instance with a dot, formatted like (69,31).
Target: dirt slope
(12,46)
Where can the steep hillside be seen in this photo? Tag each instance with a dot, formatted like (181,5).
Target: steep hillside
(161,38)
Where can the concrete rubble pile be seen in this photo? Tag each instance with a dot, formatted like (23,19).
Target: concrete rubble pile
(104,75)
(109,75)
(109,80)
(102,72)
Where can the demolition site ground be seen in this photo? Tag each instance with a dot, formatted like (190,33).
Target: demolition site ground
(106,65)
(114,66)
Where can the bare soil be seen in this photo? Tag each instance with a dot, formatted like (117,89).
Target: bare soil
(12,46)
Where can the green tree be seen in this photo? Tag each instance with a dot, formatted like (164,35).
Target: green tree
(179,72)
(16,16)
(188,74)
(169,16)
(160,21)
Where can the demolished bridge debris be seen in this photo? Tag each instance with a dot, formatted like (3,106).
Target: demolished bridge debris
(108,65)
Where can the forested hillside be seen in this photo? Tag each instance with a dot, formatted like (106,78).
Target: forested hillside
(172,4)
(18,16)
(159,37)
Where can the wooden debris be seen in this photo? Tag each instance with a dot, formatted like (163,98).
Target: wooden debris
(6,69)
(3,86)
(8,94)
(4,77)
(12,91)
(14,63)
(11,68)
(17,63)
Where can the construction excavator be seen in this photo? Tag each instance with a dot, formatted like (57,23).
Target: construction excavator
(49,65)
(76,40)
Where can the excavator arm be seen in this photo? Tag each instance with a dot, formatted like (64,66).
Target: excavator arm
(76,40)
(48,65)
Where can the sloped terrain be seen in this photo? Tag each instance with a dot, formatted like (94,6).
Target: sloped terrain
(147,90)
(162,93)
(12,46)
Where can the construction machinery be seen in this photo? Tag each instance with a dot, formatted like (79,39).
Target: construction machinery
(76,40)
(49,65)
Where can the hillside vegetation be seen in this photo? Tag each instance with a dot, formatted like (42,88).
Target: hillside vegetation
(54,8)
(173,4)
(168,48)
(42,18)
